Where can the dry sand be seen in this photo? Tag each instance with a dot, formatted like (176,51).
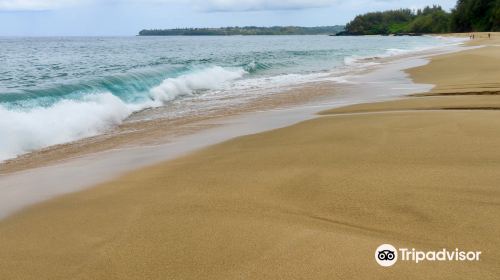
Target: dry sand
(310,201)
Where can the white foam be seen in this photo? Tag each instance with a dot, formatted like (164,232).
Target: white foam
(358,60)
(341,79)
(395,51)
(23,131)
(452,40)
(207,79)
(68,120)
(363,61)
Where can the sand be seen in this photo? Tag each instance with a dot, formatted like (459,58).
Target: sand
(310,201)
(474,71)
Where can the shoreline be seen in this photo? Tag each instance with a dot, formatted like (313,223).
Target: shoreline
(73,173)
(312,199)
(144,128)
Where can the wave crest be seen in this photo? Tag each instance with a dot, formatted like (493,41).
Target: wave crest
(207,79)
(28,129)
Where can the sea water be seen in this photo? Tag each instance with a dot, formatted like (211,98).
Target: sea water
(61,89)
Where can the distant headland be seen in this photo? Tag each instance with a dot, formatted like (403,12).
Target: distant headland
(246,30)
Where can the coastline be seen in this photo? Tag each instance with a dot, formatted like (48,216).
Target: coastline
(355,177)
(73,167)
(157,125)
(117,109)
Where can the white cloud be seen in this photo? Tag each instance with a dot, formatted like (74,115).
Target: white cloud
(217,5)
(34,5)
(257,5)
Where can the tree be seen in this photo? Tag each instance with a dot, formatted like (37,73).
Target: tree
(476,15)
(428,20)
(431,20)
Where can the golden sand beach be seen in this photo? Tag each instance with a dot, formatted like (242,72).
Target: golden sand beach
(310,201)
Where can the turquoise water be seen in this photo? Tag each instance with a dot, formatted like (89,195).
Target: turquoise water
(56,90)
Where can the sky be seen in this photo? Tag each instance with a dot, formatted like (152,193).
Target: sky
(128,17)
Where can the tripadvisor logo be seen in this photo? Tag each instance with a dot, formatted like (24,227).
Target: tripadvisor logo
(387,255)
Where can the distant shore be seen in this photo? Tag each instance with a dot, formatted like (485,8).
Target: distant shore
(246,30)
(309,201)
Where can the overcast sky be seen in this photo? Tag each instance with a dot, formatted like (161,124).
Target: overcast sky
(127,17)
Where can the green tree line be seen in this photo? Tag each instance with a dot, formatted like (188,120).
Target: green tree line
(467,16)
(247,30)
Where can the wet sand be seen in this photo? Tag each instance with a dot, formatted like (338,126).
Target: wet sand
(309,201)
(137,132)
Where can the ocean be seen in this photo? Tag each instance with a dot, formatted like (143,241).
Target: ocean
(61,89)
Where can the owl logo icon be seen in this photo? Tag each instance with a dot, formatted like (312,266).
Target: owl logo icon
(386,255)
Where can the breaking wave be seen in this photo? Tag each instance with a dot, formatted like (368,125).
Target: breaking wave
(28,128)
(207,79)
(68,120)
